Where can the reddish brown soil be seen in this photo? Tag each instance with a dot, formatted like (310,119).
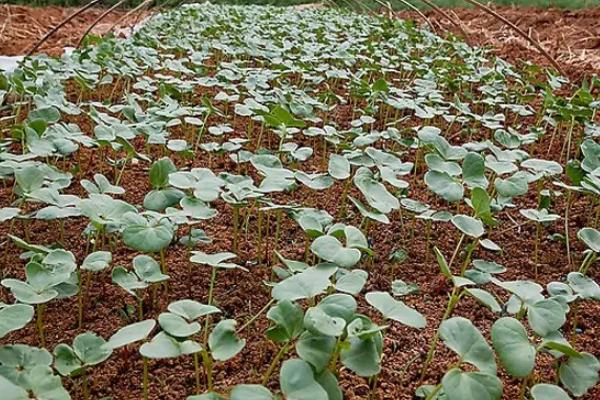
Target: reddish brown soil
(571,37)
(240,294)
(21,27)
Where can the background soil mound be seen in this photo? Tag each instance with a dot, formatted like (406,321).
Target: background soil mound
(572,37)
(21,27)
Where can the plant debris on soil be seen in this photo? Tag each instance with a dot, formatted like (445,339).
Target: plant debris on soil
(351,207)
(572,37)
(22,26)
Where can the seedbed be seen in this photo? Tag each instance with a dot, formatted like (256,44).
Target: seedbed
(262,202)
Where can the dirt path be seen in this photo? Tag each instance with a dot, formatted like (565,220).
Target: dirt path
(21,27)
(572,37)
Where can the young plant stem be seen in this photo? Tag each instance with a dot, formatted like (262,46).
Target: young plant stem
(163,263)
(344,200)
(589,259)
(121,172)
(282,352)
(259,236)
(523,388)
(456,250)
(373,383)
(454,298)
(568,140)
(208,320)
(336,356)
(470,249)
(207,362)
(85,384)
(197,372)
(538,230)
(433,394)
(277,232)
(255,316)
(80,299)
(427,238)
(140,308)
(236,228)
(566,226)
(40,323)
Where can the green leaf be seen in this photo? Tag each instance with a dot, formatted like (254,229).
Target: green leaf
(512,345)
(584,286)
(216,260)
(66,361)
(339,167)
(191,310)
(544,391)
(90,348)
(14,317)
(591,238)
(288,321)
(315,349)
(365,212)
(223,341)
(444,185)
(148,269)
(97,261)
(148,236)
(462,337)
(298,382)
(330,249)
(164,346)
(250,392)
(329,382)
(579,374)
(401,288)
(305,285)
(352,282)
(486,298)
(319,322)
(470,226)
(339,305)
(160,200)
(362,357)
(26,293)
(514,186)
(8,213)
(473,171)
(127,280)
(10,391)
(375,193)
(159,172)
(546,316)
(460,385)
(315,181)
(206,396)
(395,309)
(441,260)
(176,326)
(481,203)
(45,385)
(130,334)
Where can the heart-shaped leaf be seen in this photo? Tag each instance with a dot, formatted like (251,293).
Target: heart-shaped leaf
(462,337)
(223,341)
(330,249)
(298,382)
(395,309)
(512,345)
